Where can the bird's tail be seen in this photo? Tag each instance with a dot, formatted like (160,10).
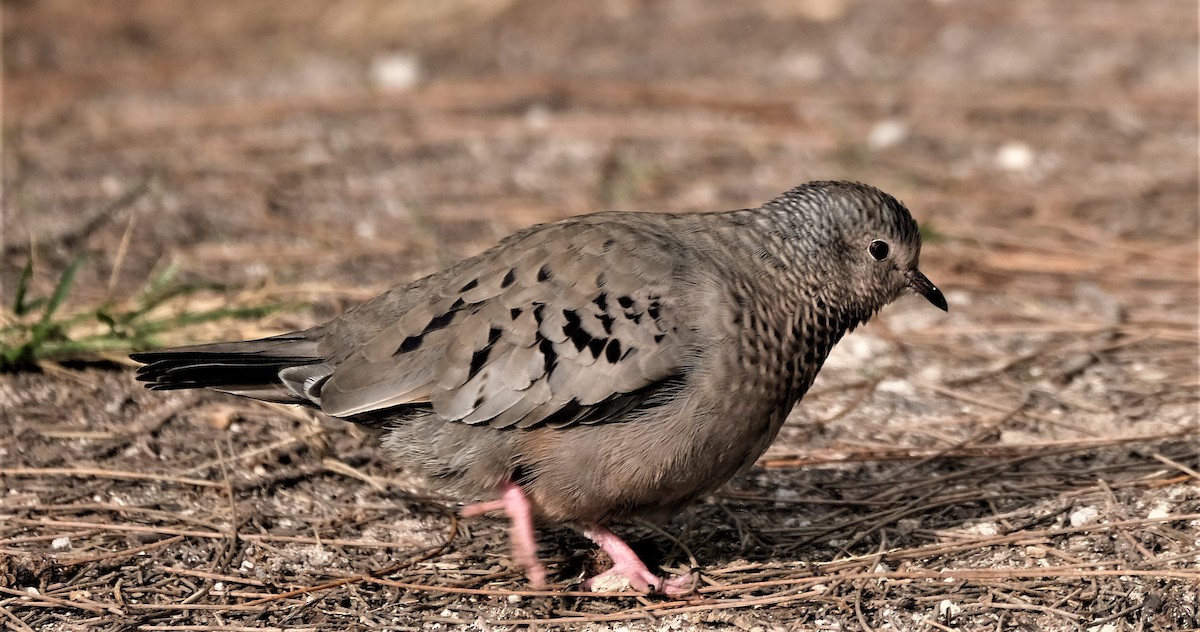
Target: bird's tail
(252,368)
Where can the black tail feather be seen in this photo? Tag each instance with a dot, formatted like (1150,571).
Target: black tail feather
(253,365)
(164,371)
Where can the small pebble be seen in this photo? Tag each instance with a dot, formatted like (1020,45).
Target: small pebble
(947,610)
(397,72)
(986,528)
(887,134)
(1083,516)
(1015,157)
(898,387)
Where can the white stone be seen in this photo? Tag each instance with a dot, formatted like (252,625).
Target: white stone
(887,134)
(958,297)
(1015,156)
(58,544)
(948,610)
(986,528)
(610,583)
(1083,515)
(899,387)
(396,72)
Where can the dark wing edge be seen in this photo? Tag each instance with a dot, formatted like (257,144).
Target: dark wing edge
(253,368)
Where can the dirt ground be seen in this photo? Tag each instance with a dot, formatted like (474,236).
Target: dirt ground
(1026,462)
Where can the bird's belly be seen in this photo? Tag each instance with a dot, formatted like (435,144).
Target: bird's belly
(636,469)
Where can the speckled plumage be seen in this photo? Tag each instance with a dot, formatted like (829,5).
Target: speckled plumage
(611,365)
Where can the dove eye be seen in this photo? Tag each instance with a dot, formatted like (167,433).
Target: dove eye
(878,249)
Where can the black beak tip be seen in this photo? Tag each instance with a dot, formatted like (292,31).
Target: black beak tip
(923,286)
(938,299)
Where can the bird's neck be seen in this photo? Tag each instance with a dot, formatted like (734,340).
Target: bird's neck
(791,300)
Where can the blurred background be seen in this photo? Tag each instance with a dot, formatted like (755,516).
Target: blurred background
(364,143)
(233,169)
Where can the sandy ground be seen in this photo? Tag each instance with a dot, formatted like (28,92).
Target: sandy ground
(1026,462)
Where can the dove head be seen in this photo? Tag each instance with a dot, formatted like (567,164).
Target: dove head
(860,246)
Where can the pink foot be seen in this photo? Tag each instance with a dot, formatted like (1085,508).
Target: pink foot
(627,564)
(524,542)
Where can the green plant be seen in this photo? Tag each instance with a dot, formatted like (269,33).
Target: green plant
(42,330)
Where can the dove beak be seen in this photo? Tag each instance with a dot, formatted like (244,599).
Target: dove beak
(923,286)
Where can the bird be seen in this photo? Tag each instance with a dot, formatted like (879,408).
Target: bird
(602,368)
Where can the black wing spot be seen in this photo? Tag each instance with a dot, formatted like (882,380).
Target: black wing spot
(440,321)
(573,323)
(478,402)
(474,283)
(607,321)
(612,352)
(478,359)
(494,335)
(544,274)
(549,355)
(596,345)
(409,344)
(457,304)
(609,243)
(601,301)
(580,339)
(659,337)
(509,278)
(573,329)
(652,311)
(515,313)
(625,302)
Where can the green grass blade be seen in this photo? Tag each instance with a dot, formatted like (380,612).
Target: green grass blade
(19,306)
(64,286)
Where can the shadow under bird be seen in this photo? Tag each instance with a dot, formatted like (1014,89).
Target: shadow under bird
(599,368)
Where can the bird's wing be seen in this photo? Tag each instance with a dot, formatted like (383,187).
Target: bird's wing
(565,323)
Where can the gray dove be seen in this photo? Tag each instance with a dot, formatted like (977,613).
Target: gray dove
(599,368)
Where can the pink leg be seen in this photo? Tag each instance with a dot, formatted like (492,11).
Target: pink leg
(627,564)
(524,541)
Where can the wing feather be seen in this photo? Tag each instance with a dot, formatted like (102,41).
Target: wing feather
(565,323)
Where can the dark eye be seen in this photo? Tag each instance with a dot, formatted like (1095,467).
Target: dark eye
(878,249)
